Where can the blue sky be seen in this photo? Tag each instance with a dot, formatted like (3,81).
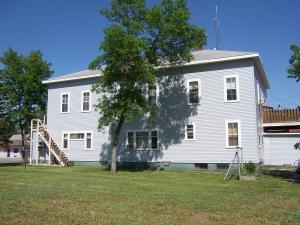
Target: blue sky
(69,33)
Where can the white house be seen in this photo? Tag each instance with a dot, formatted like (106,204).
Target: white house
(207,108)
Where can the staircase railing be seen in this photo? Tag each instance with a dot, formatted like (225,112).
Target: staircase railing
(39,127)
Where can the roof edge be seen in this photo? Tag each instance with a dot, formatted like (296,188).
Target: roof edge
(58,80)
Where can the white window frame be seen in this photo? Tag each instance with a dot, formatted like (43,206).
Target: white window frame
(90,101)
(237,88)
(84,140)
(239,133)
(188,91)
(156,92)
(194,131)
(61,102)
(68,139)
(149,140)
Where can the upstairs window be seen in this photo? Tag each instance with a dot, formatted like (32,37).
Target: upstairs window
(65,99)
(86,101)
(193,89)
(152,95)
(231,88)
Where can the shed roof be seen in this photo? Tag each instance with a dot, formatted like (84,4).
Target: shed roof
(200,57)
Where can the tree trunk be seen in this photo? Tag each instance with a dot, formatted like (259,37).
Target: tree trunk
(23,153)
(114,146)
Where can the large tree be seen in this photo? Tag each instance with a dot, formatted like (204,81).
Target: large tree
(25,95)
(140,40)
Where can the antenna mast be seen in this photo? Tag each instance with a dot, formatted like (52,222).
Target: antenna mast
(217,29)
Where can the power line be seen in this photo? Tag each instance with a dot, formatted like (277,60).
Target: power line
(284,101)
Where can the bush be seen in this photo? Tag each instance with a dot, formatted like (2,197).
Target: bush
(250,167)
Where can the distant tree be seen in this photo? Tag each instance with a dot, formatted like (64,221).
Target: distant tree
(139,40)
(294,69)
(25,95)
(6,131)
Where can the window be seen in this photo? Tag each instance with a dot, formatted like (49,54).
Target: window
(142,140)
(76,136)
(193,89)
(16,150)
(130,140)
(85,136)
(154,139)
(65,103)
(233,134)
(152,95)
(190,131)
(65,141)
(88,141)
(86,101)
(231,88)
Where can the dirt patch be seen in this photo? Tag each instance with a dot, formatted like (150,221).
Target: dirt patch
(199,218)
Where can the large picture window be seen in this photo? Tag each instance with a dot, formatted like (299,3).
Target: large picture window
(233,136)
(193,91)
(142,140)
(65,101)
(231,88)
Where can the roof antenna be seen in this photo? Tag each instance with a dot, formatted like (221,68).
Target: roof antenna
(217,29)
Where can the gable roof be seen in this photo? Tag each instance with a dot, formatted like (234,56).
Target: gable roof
(200,57)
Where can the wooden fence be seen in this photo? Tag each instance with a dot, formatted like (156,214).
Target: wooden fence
(281,115)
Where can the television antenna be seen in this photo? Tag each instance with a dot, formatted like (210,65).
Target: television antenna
(217,29)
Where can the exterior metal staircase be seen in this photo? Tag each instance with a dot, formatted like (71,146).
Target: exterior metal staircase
(42,135)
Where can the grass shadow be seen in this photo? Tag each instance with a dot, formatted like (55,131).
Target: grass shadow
(287,174)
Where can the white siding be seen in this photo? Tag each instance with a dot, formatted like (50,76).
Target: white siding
(209,117)
(75,120)
(174,113)
(279,149)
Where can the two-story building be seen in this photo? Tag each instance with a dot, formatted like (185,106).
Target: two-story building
(207,108)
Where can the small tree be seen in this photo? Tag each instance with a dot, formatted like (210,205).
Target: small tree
(25,95)
(139,40)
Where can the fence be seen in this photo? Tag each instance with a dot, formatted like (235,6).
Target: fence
(281,115)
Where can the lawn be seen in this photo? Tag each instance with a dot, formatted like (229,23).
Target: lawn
(90,195)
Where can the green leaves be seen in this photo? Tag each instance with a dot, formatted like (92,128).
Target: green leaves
(140,39)
(21,80)
(294,70)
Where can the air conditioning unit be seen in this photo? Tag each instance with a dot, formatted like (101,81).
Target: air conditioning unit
(262,101)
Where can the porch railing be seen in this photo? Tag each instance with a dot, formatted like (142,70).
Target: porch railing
(281,115)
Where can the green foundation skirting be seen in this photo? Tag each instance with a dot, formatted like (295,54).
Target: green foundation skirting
(169,166)
(157,165)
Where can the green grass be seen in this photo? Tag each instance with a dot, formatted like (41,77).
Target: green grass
(89,195)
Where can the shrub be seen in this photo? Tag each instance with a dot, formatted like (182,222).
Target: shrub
(250,167)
